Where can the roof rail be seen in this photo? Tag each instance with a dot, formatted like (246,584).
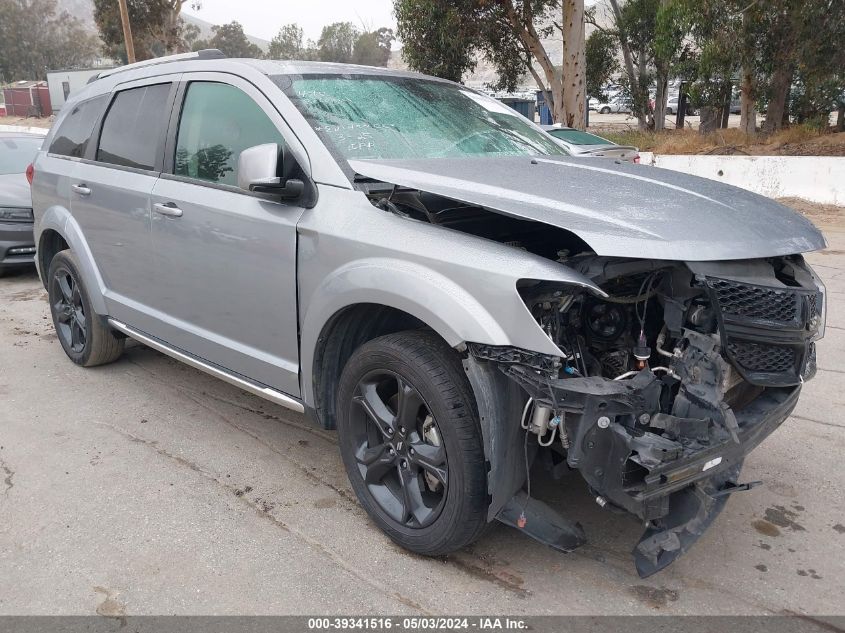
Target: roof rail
(208,53)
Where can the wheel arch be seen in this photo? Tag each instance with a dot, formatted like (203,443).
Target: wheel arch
(57,230)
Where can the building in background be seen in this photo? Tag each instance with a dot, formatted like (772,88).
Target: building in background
(63,83)
(27,99)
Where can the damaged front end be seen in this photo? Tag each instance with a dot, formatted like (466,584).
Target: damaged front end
(663,387)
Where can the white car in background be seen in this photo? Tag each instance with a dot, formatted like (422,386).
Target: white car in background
(614,105)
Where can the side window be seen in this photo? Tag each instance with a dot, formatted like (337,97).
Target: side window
(218,122)
(134,125)
(75,130)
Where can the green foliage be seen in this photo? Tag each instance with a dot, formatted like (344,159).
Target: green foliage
(601,48)
(789,47)
(443,37)
(438,38)
(35,38)
(373,48)
(820,62)
(336,42)
(288,43)
(157,28)
(230,39)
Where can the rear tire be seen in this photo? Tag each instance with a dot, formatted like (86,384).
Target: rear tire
(411,442)
(84,336)
(605,110)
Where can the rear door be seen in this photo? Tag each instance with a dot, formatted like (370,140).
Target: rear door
(110,192)
(68,145)
(225,257)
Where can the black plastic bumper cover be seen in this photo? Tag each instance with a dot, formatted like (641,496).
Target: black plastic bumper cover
(693,508)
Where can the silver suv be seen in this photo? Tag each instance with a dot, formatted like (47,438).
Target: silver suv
(418,266)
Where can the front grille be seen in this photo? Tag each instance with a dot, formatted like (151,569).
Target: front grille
(769,359)
(766,330)
(756,302)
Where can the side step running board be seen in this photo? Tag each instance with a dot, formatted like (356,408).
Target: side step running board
(233,379)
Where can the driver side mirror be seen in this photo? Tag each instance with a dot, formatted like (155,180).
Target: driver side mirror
(257,169)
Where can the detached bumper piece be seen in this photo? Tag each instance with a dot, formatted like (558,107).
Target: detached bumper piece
(674,470)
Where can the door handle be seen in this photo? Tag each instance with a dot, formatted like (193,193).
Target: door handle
(82,190)
(169,209)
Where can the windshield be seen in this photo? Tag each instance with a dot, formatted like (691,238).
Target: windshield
(16,153)
(577,137)
(383,117)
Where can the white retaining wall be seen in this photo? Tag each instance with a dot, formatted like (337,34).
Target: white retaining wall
(814,178)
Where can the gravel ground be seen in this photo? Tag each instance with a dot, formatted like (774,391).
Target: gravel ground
(146,487)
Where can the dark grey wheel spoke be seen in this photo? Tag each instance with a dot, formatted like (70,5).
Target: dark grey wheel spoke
(77,337)
(377,461)
(376,409)
(64,287)
(408,405)
(430,458)
(412,502)
(79,315)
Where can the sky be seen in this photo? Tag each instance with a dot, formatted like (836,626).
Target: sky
(263,18)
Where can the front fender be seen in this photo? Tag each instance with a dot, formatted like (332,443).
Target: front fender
(449,308)
(60,220)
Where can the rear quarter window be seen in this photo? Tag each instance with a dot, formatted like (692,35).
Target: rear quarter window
(75,130)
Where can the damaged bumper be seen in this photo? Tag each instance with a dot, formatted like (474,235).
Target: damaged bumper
(673,471)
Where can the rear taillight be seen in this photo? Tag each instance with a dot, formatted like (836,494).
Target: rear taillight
(30,173)
(636,161)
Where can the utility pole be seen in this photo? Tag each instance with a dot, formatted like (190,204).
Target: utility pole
(127,32)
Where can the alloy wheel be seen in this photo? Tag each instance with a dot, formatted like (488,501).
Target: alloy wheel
(398,449)
(69,311)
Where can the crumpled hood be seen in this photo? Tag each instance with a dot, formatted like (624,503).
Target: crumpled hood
(621,210)
(14,191)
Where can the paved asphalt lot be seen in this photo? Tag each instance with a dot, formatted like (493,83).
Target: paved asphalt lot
(146,487)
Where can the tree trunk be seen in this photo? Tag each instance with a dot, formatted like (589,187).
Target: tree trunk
(523,25)
(640,94)
(726,106)
(781,81)
(709,119)
(172,41)
(660,98)
(748,104)
(840,117)
(628,58)
(574,64)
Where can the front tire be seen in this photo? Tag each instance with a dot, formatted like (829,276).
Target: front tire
(605,110)
(86,340)
(411,442)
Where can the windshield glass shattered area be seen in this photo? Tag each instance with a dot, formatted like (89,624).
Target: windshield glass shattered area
(384,117)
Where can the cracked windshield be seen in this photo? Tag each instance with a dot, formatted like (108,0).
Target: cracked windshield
(384,118)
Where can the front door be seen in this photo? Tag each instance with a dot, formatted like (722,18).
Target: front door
(226,258)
